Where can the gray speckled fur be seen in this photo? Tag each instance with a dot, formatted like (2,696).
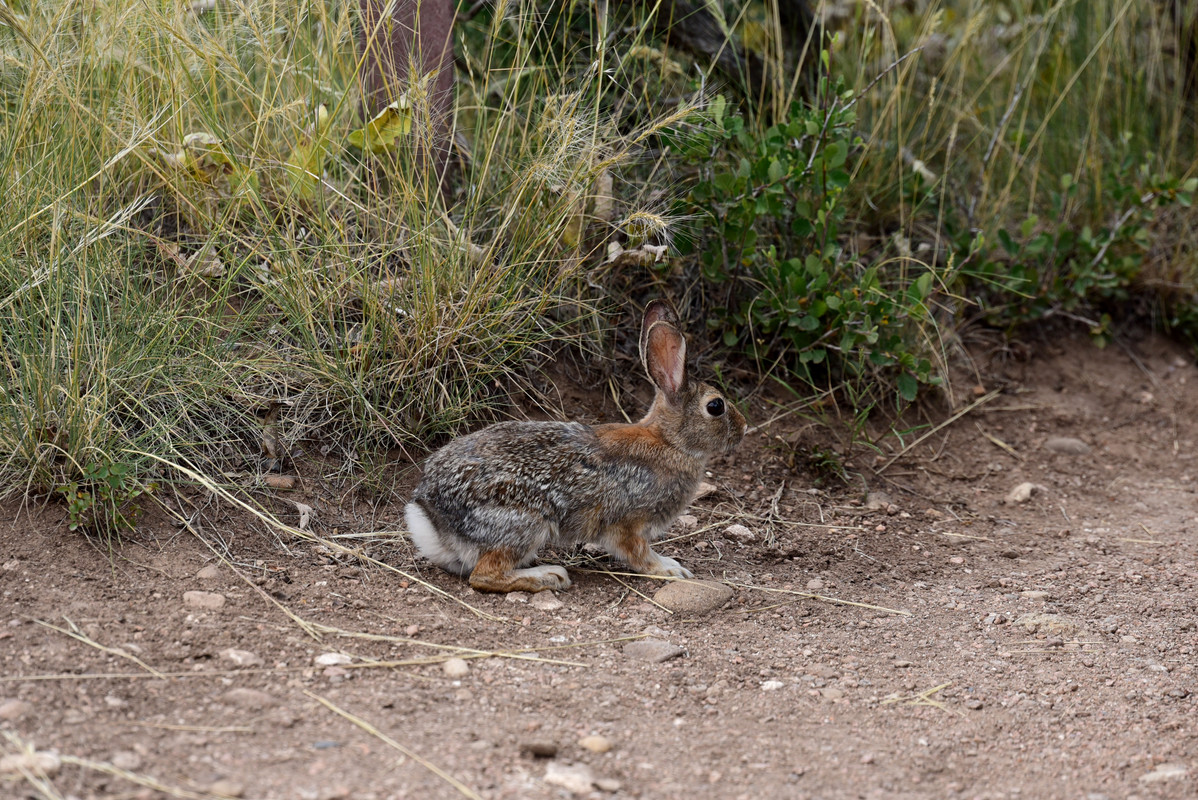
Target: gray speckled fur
(524,485)
(492,499)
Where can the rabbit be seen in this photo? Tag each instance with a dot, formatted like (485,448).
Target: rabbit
(490,500)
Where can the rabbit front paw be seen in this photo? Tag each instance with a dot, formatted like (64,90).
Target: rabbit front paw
(670,568)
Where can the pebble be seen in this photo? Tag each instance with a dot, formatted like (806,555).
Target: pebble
(251,699)
(126,760)
(1109,625)
(1022,493)
(209,573)
(44,762)
(546,601)
(242,658)
(693,597)
(878,501)
(517,597)
(814,585)
(655,651)
(1165,772)
(14,709)
(1048,624)
(831,693)
(226,787)
(771,686)
(1066,445)
(574,778)
(739,533)
(539,749)
(205,600)
(332,659)
(456,668)
(1034,594)
(283,482)
(609,785)
(973,704)
(704,489)
(688,522)
(596,744)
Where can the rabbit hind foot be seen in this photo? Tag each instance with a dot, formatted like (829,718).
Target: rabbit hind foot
(495,572)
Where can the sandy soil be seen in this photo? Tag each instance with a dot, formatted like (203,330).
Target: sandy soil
(1042,648)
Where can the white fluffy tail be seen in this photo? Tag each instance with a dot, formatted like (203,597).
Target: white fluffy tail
(432,544)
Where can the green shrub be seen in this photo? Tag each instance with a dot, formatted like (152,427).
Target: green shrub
(773,215)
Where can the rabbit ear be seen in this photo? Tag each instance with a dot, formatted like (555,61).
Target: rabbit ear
(665,359)
(657,311)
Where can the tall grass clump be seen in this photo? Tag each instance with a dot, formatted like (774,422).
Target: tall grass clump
(202,244)
(908,167)
(1051,145)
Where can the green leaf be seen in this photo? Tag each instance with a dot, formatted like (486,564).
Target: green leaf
(908,387)
(383,132)
(306,162)
(835,154)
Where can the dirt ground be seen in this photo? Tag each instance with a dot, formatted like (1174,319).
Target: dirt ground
(1038,648)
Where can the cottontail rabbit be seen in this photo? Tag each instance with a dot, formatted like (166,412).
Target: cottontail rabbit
(489,501)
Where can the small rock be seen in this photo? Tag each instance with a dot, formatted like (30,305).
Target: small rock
(456,668)
(704,489)
(974,704)
(609,785)
(209,573)
(903,664)
(1022,493)
(655,651)
(868,758)
(226,787)
(517,597)
(878,501)
(1165,772)
(283,482)
(575,778)
(739,533)
(546,601)
(771,686)
(1109,625)
(126,760)
(242,658)
(1066,445)
(1034,594)
(1048,624)
(596,744)
(45,762)
(539,749)
(251,699)
(14,709)
(688,522)
(206,600)
(332,659)
(693,597)
(831,693)
(815,585)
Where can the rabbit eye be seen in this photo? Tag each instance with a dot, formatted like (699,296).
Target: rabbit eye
(715,407)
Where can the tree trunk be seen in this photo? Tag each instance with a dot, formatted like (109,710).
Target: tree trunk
(411,50)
